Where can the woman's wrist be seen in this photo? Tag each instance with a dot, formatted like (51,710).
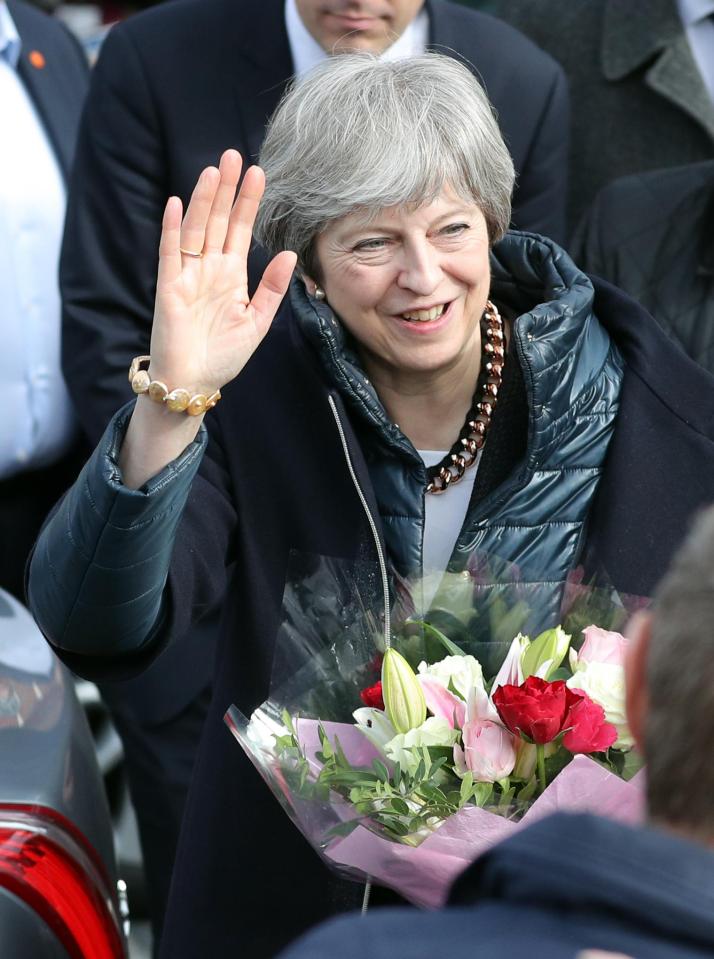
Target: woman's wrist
(154,438)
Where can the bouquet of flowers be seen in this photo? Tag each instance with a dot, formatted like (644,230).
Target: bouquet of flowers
(441,760)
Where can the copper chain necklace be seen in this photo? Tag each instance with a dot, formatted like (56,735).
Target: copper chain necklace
(464,452)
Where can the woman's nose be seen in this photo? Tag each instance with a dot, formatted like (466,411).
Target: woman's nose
(420,270)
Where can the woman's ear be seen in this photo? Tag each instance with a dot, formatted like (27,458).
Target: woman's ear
(313,289)
(310,284)
(639,632)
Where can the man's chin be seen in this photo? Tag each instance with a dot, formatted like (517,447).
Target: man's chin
(360,43)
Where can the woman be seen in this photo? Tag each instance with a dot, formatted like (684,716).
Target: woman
(391,183)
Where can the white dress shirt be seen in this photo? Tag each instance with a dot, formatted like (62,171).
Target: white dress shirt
(307,52)
(698,19)
(37,422)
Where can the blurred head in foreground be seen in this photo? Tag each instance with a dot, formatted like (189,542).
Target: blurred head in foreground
(670,688)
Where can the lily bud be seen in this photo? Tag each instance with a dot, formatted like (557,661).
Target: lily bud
(544,655)
(404,701)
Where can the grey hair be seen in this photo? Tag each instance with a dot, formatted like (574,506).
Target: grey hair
(679,725)
(362,134)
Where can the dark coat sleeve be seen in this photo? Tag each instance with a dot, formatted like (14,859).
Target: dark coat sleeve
(116,572)
(110,249)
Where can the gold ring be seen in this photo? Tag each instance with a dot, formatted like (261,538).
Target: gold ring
(191,253)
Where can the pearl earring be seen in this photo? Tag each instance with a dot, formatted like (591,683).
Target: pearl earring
(319,293)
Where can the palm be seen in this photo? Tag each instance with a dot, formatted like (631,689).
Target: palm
(205,326)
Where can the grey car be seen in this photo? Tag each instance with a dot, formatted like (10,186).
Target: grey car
(59,897)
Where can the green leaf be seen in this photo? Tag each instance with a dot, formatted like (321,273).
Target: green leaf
(381,770)
(528,791)
(451,648)
(399,806)
(288,721)
(632,764)
(467,785)
(482,793)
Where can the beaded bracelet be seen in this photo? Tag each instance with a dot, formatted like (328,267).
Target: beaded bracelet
(178,401)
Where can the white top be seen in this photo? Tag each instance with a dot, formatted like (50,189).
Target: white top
(37,422)
(307,52)
(443,518)
(698,19)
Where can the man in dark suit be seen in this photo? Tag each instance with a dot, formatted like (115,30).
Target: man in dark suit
(639,98)
(171,90)
(43,80)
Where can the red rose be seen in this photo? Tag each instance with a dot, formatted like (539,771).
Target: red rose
(372,696)
(536,709)
(589,732)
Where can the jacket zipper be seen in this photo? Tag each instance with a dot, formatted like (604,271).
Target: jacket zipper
(372,525)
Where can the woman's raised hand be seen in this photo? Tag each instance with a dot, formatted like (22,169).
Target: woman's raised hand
(205,326)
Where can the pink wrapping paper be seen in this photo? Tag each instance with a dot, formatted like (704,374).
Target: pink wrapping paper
(422,874)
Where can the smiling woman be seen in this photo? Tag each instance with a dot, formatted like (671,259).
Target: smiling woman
(420,352)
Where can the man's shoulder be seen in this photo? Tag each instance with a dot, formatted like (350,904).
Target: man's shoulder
(651,197)
(39,28)
(192,18)
(633,215)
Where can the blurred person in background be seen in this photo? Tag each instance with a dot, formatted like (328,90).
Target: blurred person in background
(652,234)
(641,77)
(43,80)
(171,89)
(574,882)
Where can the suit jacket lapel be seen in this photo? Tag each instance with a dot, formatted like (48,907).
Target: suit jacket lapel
(650,31)
(48,90)
(675,76)
(257,65)
(443,35)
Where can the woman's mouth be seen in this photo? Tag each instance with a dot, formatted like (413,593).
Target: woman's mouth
(425,316)
(425,321)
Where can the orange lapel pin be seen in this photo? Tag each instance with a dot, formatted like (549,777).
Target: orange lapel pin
(37,59)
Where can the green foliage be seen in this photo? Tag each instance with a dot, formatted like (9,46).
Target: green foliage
(403,806)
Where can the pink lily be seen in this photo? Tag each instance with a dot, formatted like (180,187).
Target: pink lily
(442,702)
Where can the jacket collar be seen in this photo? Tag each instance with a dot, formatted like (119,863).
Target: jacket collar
(341,365)
(660,882)
(561,345)
(534,280)
(649,34)
(45,86)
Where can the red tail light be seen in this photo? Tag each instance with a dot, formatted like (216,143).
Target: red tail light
(44,861)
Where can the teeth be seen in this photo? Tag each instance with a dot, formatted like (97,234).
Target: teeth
(423,316)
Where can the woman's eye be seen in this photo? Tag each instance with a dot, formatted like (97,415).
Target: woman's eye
(455,229)
(373,244)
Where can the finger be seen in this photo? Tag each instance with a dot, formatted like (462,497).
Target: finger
(272,288)
(216,228)
(169,255)
(240,225)
(193,228)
